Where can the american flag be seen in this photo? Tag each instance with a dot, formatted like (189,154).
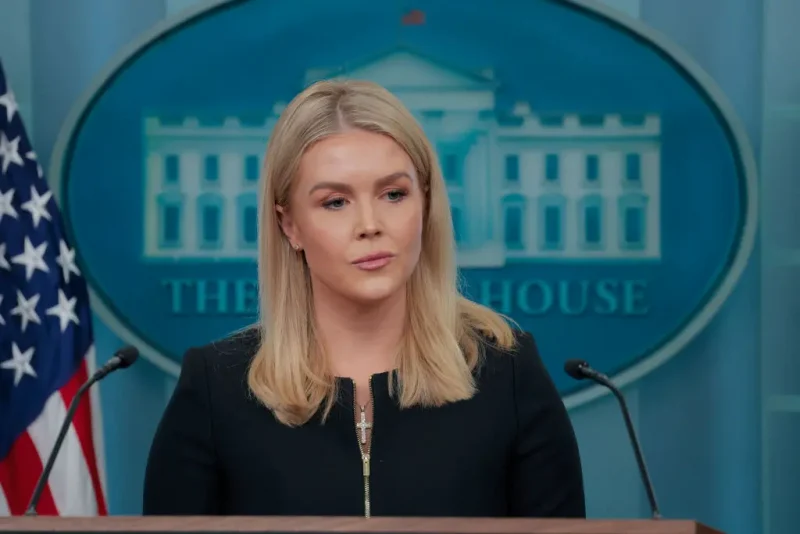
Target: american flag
(46,340)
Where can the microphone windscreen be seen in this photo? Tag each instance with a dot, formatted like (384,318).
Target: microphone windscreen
(127,355)
(574,368)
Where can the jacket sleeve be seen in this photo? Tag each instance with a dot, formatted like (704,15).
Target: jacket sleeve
(181,476)
(546,478)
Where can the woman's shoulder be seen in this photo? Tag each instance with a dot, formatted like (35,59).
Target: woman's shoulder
(520,363)
(522,346)
(232,352)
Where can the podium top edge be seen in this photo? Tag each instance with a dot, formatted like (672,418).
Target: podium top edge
(344,525)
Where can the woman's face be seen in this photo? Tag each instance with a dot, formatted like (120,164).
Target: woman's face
(356,211)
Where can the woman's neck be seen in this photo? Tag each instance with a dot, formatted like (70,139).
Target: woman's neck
(359,340)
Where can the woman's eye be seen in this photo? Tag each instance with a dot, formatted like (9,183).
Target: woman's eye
(396,195)
(334,203)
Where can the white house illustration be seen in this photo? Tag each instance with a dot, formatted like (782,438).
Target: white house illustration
(522,186)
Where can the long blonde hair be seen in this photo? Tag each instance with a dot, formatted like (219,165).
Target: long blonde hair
(445,333)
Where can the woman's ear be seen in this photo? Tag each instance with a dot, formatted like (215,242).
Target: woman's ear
(288,226)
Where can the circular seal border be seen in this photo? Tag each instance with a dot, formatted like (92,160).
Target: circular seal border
(647,35)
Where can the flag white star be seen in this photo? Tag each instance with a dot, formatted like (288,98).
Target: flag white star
(7,204)
(32,156)
(2,321)
(9,152)
(32,258)
(10,103)
(37,206)
(3,261)
(66,259)
(20,363)
(26,309)
(64,310)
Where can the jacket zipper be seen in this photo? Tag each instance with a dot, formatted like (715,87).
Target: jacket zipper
(365,454)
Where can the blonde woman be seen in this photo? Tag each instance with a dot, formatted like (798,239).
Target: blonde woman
(370,386)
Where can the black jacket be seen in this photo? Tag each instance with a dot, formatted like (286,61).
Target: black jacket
(508,451)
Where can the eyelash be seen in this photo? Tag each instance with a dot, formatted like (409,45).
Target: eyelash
(328,204)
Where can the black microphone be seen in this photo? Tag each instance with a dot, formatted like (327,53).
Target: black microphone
(579,369)
(122,358)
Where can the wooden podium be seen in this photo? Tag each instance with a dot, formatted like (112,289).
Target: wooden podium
(345,525)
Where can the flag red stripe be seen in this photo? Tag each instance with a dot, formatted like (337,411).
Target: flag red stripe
(83,428)
(19,472)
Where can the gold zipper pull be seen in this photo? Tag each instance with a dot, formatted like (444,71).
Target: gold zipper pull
(365,464)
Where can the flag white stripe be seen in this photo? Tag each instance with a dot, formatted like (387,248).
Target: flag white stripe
(4,509)
(70,482)
(97,422)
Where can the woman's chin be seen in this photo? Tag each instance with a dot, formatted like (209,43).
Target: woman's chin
(375,290)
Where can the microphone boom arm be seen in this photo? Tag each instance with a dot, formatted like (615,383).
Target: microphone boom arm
(579,370)
(122,358)
(62,432)
(637,449)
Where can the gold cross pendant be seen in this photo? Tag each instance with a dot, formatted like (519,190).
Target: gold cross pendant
(363,425)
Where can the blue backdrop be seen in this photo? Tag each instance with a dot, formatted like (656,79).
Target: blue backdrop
(699,416)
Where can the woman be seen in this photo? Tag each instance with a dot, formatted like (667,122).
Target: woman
(369,386)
